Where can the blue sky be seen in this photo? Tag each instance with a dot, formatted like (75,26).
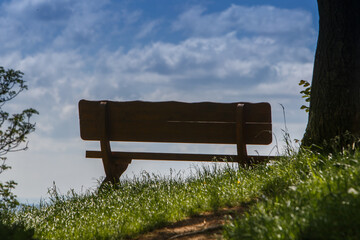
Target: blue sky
(158,50)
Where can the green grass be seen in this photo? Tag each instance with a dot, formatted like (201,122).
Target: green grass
(140,205)
(304,196)
(322,203)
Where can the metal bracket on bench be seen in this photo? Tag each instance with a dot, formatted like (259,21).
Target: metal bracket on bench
(240,134)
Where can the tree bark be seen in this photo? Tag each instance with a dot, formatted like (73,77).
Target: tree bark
(335,90)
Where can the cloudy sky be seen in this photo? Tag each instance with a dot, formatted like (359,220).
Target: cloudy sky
(183,50)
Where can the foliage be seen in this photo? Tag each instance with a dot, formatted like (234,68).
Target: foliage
(306,93)
(15,232)
(321,203)
(8,199)
(13,132)
(13,129)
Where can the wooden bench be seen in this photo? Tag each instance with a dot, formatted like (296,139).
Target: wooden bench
(173,122)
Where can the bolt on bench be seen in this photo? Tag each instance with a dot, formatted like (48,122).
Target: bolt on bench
(173,122)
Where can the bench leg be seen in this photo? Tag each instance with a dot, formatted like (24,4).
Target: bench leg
(114,169)
(240,136)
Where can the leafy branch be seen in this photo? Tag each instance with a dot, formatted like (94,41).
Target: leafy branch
(306,93)
(14,129)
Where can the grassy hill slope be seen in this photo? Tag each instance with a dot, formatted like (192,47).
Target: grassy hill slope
(304,196)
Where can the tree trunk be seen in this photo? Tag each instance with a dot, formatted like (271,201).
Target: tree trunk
(335,90)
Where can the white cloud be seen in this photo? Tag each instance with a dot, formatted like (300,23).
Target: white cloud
(148,28)
(197,64)
(288,76)
(257,19)
(39,9)
(130,17)
(84,26)
(32,24)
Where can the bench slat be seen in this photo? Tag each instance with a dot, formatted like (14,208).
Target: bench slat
(175,156)
(185,132)
(179,111)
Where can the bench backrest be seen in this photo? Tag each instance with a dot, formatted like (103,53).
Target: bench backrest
(204,122)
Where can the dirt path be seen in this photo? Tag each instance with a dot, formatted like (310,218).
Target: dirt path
(205,226)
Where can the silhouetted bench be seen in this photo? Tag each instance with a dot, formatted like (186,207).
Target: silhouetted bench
(173,122)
